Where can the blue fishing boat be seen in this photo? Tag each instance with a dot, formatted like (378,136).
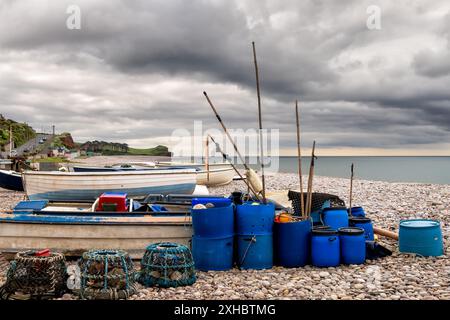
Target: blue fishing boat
(11,180)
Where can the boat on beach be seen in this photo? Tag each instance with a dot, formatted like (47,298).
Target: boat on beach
(11,180)
(217,175)
(55,185)
(74,227)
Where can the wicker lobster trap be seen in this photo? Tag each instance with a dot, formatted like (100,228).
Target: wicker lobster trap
(106,275)
(35,275)
(167,264)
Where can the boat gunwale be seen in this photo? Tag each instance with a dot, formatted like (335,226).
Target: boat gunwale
(109,173)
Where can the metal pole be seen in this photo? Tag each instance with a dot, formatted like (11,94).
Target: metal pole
(261,149)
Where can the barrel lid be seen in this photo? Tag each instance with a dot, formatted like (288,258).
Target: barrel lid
(353,231)
(419,223)
(334,208)
(359,220)
(321,228)
(324,232)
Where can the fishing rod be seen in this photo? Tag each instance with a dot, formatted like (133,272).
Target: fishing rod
(261,149)
(351,191)
(233,166)
(302,201)
(310,181)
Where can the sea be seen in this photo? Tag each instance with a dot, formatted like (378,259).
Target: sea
(425,169)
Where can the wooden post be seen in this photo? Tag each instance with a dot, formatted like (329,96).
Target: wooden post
(10,140)
(302,201)
(207,158)
(261,148)
(351,192)
(310,181)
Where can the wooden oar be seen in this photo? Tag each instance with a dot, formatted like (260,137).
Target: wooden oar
(351,192)
(385,233)
(302,201)
(310,181)
(261,149)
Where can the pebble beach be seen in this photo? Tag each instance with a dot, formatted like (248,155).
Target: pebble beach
(398,277)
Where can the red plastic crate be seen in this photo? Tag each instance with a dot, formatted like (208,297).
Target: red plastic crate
(119,199)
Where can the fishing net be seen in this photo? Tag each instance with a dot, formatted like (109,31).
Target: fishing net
(106,275)
(167,264)
(317,202)
(35,277)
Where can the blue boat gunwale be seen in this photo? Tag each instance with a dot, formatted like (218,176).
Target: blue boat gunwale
(128,223)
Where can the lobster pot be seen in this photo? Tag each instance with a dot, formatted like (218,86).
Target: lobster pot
(292,242)
(335,217)
(364,223)
(212,253)
(215,222)
(106,275)
(421,236)
(255,251)
(357,212)
(167,264)
(353,245)
(325,248)
(35,277)
(254,219)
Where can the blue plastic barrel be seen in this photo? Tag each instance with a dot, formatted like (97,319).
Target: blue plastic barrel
(212,253)
(421,236)
(292,243)
(255,251)
(216,222)
(353,245)
(357,212)
(325,248)
(336,217)
(255,219)
(216,201)
(366,224)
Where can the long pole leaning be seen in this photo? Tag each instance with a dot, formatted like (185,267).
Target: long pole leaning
(234,167)
(302,201)
(310,181)
(261,149)
(351,191)
(225,130)
(207,158)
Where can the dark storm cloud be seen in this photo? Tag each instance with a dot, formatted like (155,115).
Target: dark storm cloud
(139,67)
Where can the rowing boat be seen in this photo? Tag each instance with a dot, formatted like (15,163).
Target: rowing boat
(11,180)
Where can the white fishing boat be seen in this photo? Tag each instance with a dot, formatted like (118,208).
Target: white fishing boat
(55,185)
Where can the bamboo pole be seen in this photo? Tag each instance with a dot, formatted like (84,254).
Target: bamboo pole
(302,201)
(385,233)
(234,167)
(226,131)
(207,158)
(310,181)
(261,149)
(351,192)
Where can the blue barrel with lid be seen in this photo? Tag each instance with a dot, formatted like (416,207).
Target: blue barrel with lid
(353,245)
(214,222)
(325,248)
(357,212)
(255,219)
(212,253)
(421,236)
(366,224)
(255,251)
(336,217)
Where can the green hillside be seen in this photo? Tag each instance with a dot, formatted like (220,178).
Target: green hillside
(21,132)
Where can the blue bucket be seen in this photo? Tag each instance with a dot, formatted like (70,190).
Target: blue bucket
(357,212)
(217,222)
(292,243)
(255,219)
(335,217)
(364,223)
(421,236)
(216,201)
(212,253)
(255,251)
(353,245)
(325,248)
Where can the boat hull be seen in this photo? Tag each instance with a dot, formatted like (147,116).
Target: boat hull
(10,180)
(88,186)
(74,237)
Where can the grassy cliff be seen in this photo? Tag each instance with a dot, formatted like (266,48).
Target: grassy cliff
(21,132)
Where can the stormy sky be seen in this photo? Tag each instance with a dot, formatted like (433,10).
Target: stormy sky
(136,70)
